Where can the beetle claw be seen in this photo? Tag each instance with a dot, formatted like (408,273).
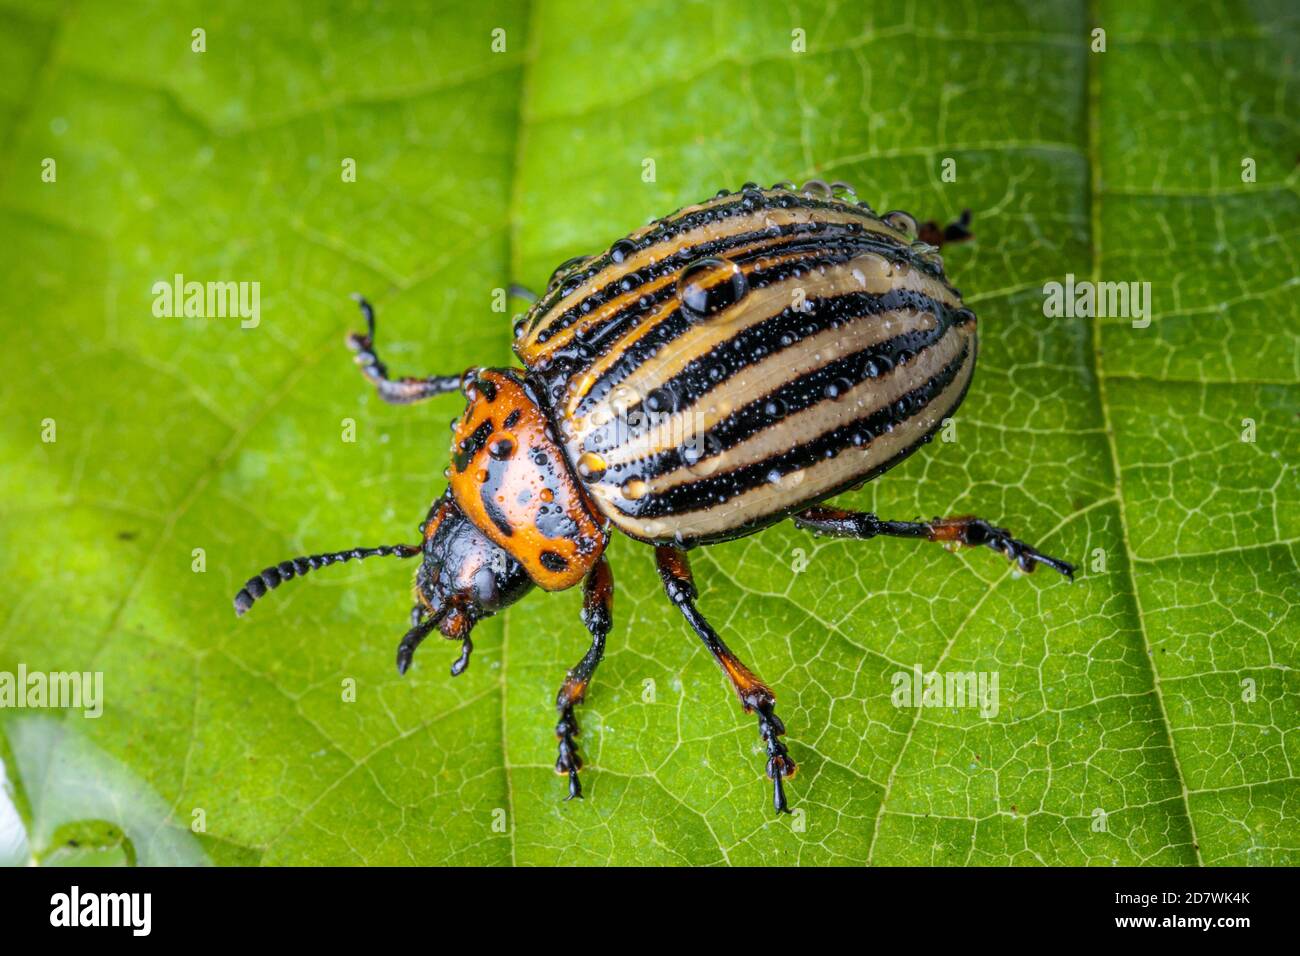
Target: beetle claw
(462,662)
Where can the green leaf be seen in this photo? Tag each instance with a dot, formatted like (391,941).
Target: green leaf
(1146,714)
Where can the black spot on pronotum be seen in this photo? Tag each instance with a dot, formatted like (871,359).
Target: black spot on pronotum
(497,516)
(469,447)
(554,562)
(512,419)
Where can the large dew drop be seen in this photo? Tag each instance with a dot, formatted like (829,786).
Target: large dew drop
(591,467)
(901,221)
(707,286)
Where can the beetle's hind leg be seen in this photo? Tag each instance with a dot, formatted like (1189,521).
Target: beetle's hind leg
(396,391)
(598,616)
(962,532)
(755,696)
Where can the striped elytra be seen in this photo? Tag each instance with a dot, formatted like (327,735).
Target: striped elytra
(728,365)
(725,367)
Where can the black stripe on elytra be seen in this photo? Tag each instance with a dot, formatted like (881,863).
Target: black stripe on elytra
(881,361)
(676,323)
(633,281)
(750,345)
(716,489)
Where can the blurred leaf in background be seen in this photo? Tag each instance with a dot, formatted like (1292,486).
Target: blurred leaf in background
(1148,714)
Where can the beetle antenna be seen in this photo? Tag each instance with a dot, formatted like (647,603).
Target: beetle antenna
(273,576)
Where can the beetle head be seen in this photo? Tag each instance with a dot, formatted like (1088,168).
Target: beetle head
(463,578)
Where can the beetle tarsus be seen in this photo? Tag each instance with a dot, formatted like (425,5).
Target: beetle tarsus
(411,640)
(401,391)
(973,532)
(462,662)
(568,761)
(779,763)
(965,531)
(956,231)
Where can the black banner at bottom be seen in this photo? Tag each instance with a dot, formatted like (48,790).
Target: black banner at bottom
(332,906)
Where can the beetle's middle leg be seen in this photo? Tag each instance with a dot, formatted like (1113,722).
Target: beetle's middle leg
(598,615)
(754,695)
(964,531)
(395,391)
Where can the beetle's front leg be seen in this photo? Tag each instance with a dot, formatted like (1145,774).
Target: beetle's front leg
(399,391)
(421,627)
(755,696)
(963,531)
(598,616)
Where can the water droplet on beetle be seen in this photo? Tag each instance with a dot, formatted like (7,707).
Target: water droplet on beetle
(661,401)
(708,286)
(591,467)
(701,455)
(794,478)
(843,191)
(838,388)
(564,267)
(635,489)
(621,250)
(901,221)
(622,399)
(501,447)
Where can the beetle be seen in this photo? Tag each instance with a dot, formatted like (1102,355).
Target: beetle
(726,367)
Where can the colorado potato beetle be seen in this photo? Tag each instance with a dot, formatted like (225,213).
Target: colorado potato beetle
(728,366)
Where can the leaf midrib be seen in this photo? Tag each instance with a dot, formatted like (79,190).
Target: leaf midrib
(1092,133)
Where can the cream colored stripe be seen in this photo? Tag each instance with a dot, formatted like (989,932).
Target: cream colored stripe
(816,481)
